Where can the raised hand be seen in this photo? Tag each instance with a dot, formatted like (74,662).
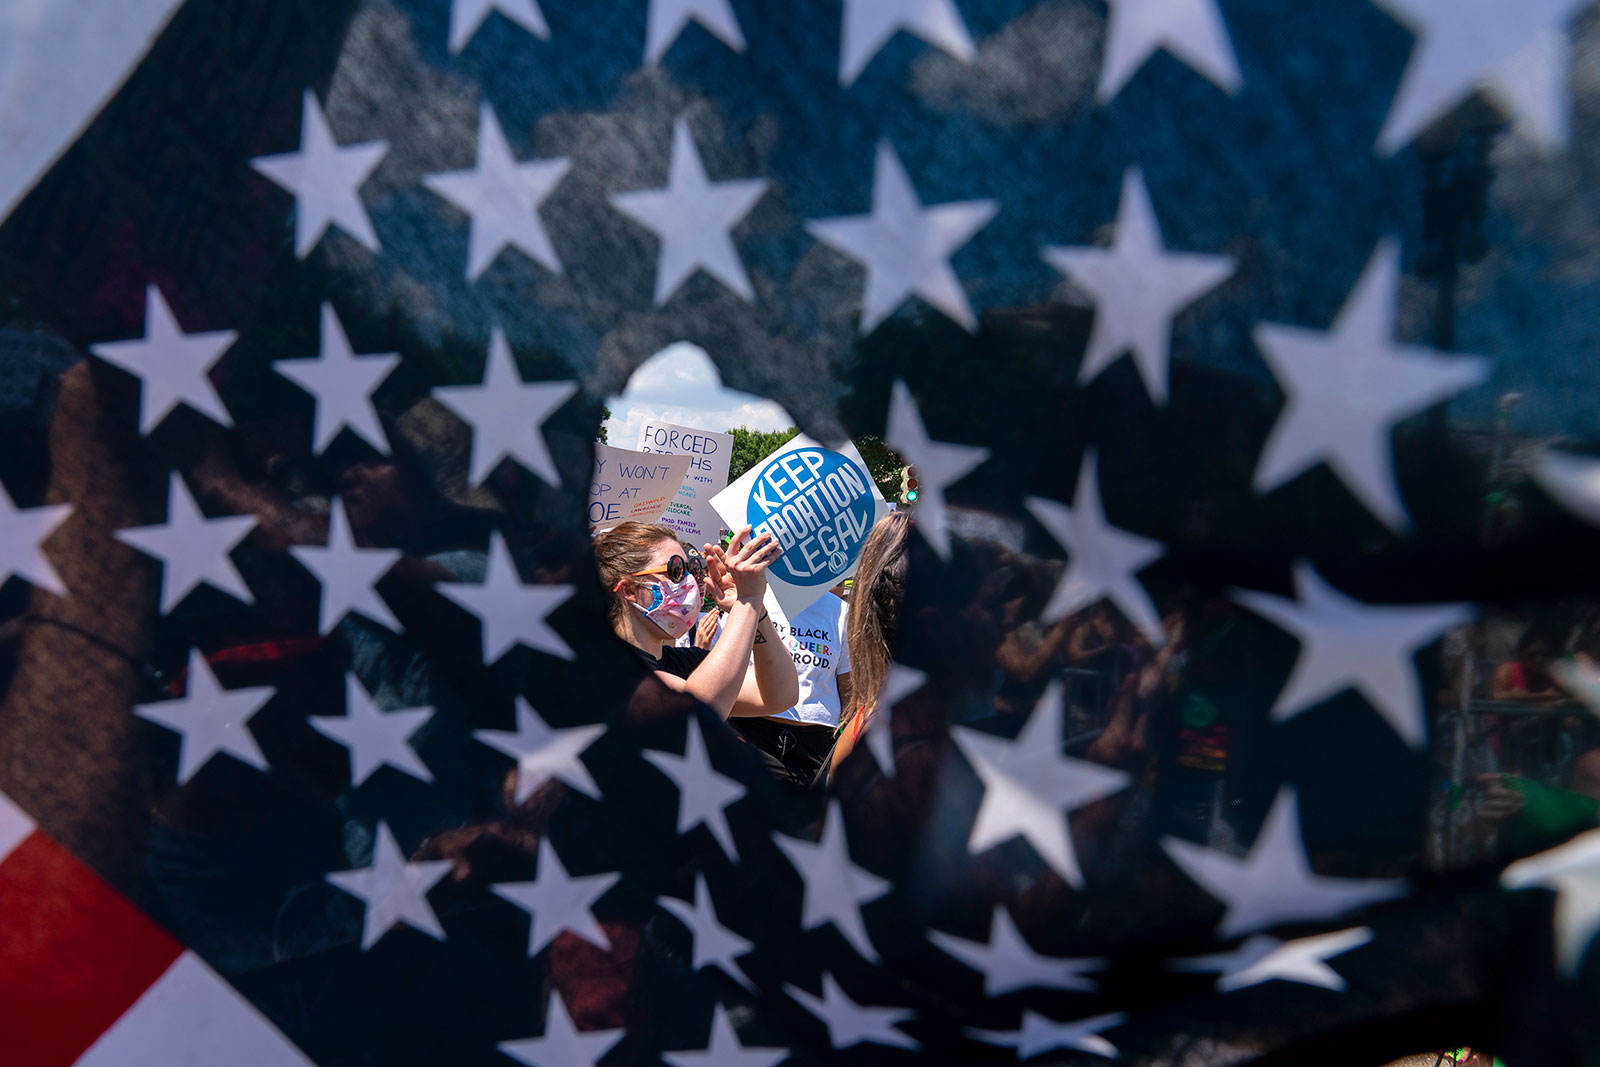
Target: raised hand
(707,629)
(741,568)
(718,583)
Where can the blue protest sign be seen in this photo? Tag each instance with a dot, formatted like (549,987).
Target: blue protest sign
(819,503)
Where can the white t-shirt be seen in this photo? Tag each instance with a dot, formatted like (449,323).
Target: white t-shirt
(816,641)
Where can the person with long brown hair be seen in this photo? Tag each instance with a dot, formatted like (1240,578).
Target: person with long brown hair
(876,594)
(655,588)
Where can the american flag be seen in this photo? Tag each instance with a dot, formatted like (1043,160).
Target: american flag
(1241,707)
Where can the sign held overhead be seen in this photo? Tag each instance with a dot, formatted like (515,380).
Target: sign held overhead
(819,503)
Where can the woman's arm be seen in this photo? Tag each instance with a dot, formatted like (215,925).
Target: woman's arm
(847,738)
(1024,666)
(718,680)
(771,684)
(1079,647)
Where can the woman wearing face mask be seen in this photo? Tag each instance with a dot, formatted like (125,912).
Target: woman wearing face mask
(655,599)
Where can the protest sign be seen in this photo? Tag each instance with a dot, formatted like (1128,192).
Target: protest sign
(691,513)
(819,503)
(632,486)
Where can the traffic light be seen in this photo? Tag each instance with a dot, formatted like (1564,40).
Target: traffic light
(908,485)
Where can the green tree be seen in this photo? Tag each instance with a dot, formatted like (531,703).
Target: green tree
(605,414)
(752,446)
(883,463)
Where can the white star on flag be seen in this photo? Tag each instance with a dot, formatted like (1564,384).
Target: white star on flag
(393,890)
(1138,288)
(325,179)
(503,197)
(23,532)
(1345,644)
(1029,787)
(58,78)
(849,1023)
(505,413)
(1517,53)
(467,17)
(724,1049)
(905,247)
(714,944)
(1572,481)
(868,25)
(192,548)
(1191,30)
(562,1045)
(703,792)
(1040,1034)
(1265,959)
(1344,390)
(556,901)
(901,683)
(1581,678)
(668,18)
(173,367)
(374,737)
(834,888)
(342,384)
(512,612)
(209,719)
(1275,884)
(348,575)
(694,217)
(543,752)
(1573,871)
(1102,560)
(938,465)
(1008,963)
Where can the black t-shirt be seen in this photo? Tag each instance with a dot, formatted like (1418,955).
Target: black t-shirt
(674,660)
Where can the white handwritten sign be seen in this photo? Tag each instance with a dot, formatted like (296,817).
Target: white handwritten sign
(691,513)
(632,486)
(819,503)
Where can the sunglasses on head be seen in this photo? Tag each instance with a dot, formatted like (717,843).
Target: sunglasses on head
(675,568)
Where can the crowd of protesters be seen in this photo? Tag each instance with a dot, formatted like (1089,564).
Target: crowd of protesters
(799,690)
(803,690)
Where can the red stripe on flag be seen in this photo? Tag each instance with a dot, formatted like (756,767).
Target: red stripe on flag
(74,955)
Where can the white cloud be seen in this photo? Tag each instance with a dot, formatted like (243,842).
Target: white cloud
(680,384)
(672,370)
